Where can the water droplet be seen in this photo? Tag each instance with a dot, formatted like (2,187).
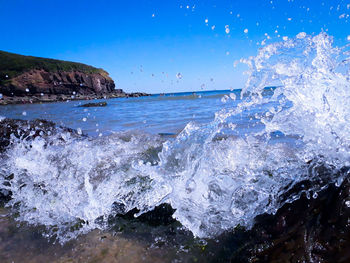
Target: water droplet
(190,185)
(179,76)
(246,31)
(24,113)
(301,35)
(347,203)
(0,96)
(27,90)
(232,96)
(315,195)
(206,20)
(224,99)
(79,131)
(84,119)
(348,38)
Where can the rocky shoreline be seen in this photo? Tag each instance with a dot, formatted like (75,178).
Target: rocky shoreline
(48,98)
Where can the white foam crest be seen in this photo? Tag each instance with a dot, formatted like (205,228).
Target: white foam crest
(315,87)
(219,184)
(58,183)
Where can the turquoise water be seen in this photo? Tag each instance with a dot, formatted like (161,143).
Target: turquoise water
(168,113)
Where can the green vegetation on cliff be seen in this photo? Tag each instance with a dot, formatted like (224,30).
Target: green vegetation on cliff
(12,65)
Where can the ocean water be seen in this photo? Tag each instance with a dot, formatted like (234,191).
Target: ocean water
(219,158)
(168,113)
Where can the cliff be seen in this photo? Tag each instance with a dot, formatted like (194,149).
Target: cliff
(33,79)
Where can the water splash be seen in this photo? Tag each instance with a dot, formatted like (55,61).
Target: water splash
(229,182)
(246,162)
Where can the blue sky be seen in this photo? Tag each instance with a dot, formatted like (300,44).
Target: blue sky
(144,44)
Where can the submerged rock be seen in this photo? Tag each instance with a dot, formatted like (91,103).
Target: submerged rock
(97,104)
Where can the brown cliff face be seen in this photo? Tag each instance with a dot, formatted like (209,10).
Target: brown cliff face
(39,82)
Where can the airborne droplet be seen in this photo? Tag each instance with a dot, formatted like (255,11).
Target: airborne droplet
(179,76)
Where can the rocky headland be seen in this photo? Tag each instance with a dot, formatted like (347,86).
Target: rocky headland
(26,79)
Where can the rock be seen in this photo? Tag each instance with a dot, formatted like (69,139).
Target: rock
(97,104)
(28,130)
(306,230)
(160,215)
(137,94)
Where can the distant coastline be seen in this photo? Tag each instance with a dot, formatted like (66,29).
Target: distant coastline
(48,98)
(27,79)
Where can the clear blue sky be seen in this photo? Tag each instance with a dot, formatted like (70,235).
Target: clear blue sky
(143,44)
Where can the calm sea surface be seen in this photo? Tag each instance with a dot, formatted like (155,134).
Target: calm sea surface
(167,113)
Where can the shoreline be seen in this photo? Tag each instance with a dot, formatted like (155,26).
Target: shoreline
(51,98)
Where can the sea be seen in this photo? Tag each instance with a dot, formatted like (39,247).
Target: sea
(167,113)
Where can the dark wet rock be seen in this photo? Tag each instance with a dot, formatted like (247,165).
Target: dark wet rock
(167,134)
(137,94)
(160,215)
(97,104)
(306,230)
(5,197)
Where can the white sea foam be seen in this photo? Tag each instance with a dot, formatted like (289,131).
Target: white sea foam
(214,182)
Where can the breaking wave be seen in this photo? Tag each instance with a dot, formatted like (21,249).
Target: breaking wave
(244,163)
